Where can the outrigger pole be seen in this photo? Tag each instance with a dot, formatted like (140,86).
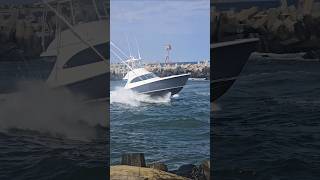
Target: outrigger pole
(72,30)
(124,62)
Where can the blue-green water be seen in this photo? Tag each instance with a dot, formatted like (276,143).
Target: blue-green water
(267,125)
(49,133)
(173,130)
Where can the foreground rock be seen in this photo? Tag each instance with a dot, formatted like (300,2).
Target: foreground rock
(133,159)
(205,169)
(137,173)
(133,166)
(159,166)
(187,170)
(193,172)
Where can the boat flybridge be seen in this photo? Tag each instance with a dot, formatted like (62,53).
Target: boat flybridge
(75,52)
(81,53)
(143,81)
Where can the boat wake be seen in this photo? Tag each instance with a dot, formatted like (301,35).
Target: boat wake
(55,112)
(176,96)
(131,98)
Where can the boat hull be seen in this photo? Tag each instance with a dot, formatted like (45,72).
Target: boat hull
(92,88)
(172,84)
(221,87)
(95,87)
(73,64)
(229,58)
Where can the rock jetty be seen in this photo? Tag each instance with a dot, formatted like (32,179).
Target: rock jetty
(197,70)
(137,173)
(133,166)
(26,30)
(284,29)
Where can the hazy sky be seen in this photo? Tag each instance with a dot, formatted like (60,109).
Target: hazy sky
(184,24)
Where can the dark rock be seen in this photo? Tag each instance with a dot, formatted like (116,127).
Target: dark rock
(187,170)
(193,172)
(173,171)
(133,159)
(198,174)
(159,166)
(205,169)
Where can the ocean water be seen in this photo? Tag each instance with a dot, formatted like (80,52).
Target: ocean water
(49,134)
(33,155)
(267,126)
(171,130)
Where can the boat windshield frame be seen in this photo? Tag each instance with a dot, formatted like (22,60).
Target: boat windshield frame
(143,77)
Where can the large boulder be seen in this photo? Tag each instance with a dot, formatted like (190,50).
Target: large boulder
(187,170)
(133,159)
(137,173)
(245,14)
(205,169)
(159,166)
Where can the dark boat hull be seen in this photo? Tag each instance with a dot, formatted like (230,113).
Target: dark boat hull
(14,73)
(162,87)
(229,58)
(96,87)
(92,88)
(162,93)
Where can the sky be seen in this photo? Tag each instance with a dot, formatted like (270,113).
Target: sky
(185,24)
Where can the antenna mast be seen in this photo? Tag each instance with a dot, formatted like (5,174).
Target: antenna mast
(168,49)
(129,47)
(139,56)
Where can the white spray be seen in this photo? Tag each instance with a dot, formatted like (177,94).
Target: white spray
(131,98)
(52,111)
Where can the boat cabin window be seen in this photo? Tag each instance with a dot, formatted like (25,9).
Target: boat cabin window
(143,77)
(88,56)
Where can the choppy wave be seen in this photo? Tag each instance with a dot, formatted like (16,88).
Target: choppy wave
(131,98)
(57,112)
(268,123)
(173,130)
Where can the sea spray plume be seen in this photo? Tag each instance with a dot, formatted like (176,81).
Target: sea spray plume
(176,96)
(57,112)
(131,98)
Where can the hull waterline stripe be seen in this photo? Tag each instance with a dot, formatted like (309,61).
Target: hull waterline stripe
(234,42)
(161,90)
(152,80)
(224,79)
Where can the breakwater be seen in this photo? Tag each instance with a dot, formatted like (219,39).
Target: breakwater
(26,30)
(197,70)
(290,27)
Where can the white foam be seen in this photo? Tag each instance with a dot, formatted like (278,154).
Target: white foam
(56,112)
(175,96)
(131,98)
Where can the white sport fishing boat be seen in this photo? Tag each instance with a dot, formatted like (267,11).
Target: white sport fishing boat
(143,81)
(82,56)
(76,59)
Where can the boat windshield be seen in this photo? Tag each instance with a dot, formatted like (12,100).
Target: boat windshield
(143,77)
